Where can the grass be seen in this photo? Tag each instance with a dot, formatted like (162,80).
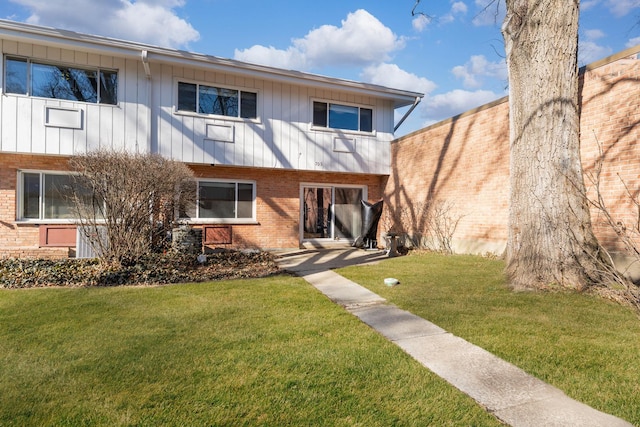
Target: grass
(586,346)
(272,351)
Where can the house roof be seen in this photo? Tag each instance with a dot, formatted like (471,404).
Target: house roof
(22,32)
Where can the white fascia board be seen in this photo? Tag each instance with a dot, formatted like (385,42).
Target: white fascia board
(65,39)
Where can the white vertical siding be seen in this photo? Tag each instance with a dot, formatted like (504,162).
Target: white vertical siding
(23,124)
(145,120)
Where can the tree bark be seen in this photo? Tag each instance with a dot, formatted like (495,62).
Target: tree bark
(550,239)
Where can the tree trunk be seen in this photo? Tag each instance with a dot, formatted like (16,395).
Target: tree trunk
(550,238)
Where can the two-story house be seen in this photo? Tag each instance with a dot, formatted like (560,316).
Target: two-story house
(281,157)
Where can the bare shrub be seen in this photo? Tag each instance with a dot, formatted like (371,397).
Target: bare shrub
(428,225)
(127,202)
(618,286)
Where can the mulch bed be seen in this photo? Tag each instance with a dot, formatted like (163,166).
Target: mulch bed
(155,269)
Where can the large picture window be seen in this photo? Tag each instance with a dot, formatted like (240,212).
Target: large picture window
(223,200)
(29,77)
(345,117)
(48,196)
(218,101)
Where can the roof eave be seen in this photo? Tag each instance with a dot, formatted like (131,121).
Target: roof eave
(65,39)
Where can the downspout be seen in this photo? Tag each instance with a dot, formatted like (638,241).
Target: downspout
(413,107)
(144,55)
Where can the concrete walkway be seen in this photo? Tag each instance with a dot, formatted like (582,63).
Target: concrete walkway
(513,396)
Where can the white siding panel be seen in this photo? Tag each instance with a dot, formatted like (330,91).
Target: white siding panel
(191,152)
(27,49)
(164,110)
(208,152)
(9,47)
(53,53)
(67,56)
(93,128)
(144,119)
(9,121)
(80,136)
(21,111)
(130,115)
(264,136)
(66,141)
(106,130)
(51,140)
(37,51)
(39,135)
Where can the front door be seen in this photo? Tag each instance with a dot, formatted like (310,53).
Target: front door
(331,212)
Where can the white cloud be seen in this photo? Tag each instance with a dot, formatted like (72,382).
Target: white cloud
(589,51)
(459,7)
(420,22)
(362,39)
(633,42)
(489,12)
(478,67)
(593,34)
(589,4)
(149,21)
(622,7)
(291,58)
(390,75)
(443,106)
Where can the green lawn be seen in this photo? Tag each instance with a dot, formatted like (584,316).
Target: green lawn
(586,346)
(271,351)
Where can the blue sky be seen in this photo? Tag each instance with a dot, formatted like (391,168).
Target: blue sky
(456,57)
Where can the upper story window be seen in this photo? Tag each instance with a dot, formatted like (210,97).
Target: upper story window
(227,201)
(204,99)
(49,195)
(340,116)
(30,77)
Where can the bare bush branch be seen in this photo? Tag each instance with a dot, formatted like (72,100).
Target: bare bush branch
(127,202)
(429,225)
(619,287)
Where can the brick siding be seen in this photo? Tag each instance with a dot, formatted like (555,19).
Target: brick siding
(277,204)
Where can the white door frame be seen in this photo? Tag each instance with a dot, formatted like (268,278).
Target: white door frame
(333,186)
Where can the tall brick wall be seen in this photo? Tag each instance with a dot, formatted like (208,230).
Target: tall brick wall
(610,132)
(464,161)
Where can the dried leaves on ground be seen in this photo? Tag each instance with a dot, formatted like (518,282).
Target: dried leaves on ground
(152,270)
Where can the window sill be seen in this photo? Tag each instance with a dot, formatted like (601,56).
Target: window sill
(341,131)
(46,221)
(256,121)
(206,221)
(59,102)
(20,222)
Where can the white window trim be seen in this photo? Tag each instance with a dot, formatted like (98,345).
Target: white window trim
(176,80)
(20,199)
(343,131)
(30,60)
(199,220)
